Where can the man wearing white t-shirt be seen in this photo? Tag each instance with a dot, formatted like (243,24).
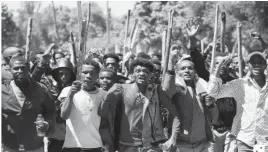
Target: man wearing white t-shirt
(80,110)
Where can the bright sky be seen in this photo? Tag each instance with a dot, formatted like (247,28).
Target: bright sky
(118,8)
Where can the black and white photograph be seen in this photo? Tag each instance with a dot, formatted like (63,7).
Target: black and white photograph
(134,76)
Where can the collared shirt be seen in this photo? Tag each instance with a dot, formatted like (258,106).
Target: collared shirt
(250,105)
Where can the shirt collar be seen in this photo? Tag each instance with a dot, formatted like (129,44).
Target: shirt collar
(252,82)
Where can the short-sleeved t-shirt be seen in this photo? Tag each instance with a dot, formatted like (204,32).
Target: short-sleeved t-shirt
(82,126)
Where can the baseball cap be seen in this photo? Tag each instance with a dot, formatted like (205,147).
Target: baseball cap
(256,53)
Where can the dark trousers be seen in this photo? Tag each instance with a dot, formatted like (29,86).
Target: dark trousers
(82,150)
(54,145)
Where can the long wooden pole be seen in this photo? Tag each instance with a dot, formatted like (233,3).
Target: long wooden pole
(108,25)
(126,32)
(132,32)
(168,43)
(136,28)
(55,21)
(202,46)
(87,25)
(125,39)
(82,36)
(28,38)
(164,38)
(214,40)
(223,25)
(73,51)
(81,47)
(80,18)
(239,49)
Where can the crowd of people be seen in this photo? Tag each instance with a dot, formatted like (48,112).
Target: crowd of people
(114,102)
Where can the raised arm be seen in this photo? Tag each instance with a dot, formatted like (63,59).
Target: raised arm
(67,101)
(114,95)
(42,64)
(49,111)
(198,60)
(218,90)
(168,85)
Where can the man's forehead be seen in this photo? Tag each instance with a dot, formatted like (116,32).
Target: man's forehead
(19,63)
(109,60)
(185,63)
(106,74)
(256,58)
(86,66)
(140,67)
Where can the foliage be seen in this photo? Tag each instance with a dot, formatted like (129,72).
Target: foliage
(154,17)
(11,33)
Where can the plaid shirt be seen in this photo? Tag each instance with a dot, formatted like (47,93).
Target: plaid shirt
(251,100)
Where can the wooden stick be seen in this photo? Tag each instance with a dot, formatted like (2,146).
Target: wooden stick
(82,36)
(80,17)
(234,47)
(125,39)
(202,46)
(214,40)
(126,31)
(223,25)
(55,22)
(134,35)
(164,38)
(82,52)
(132,32)
(73,52)
(239,49)
(28,38)
(87,25)
(168,43)
(108,23)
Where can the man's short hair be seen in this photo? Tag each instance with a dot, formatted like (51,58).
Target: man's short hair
(119,54)
(158,55)
(93,63)
(11,51)
(141,62)
(19,58)
(157,62)
(185,58)
(143,55)
(57,52)
(111,55)
(108,70)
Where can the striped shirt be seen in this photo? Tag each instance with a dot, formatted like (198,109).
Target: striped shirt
(251,101)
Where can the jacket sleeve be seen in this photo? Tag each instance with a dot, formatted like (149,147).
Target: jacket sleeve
(176,126)
(37,73)
(48,110)
(231,89)
(168,86)
(114,95)
(199,63)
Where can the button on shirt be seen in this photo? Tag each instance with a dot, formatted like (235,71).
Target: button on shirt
(250,105)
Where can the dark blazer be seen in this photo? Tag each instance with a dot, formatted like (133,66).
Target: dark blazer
(127,95)
(18,122)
